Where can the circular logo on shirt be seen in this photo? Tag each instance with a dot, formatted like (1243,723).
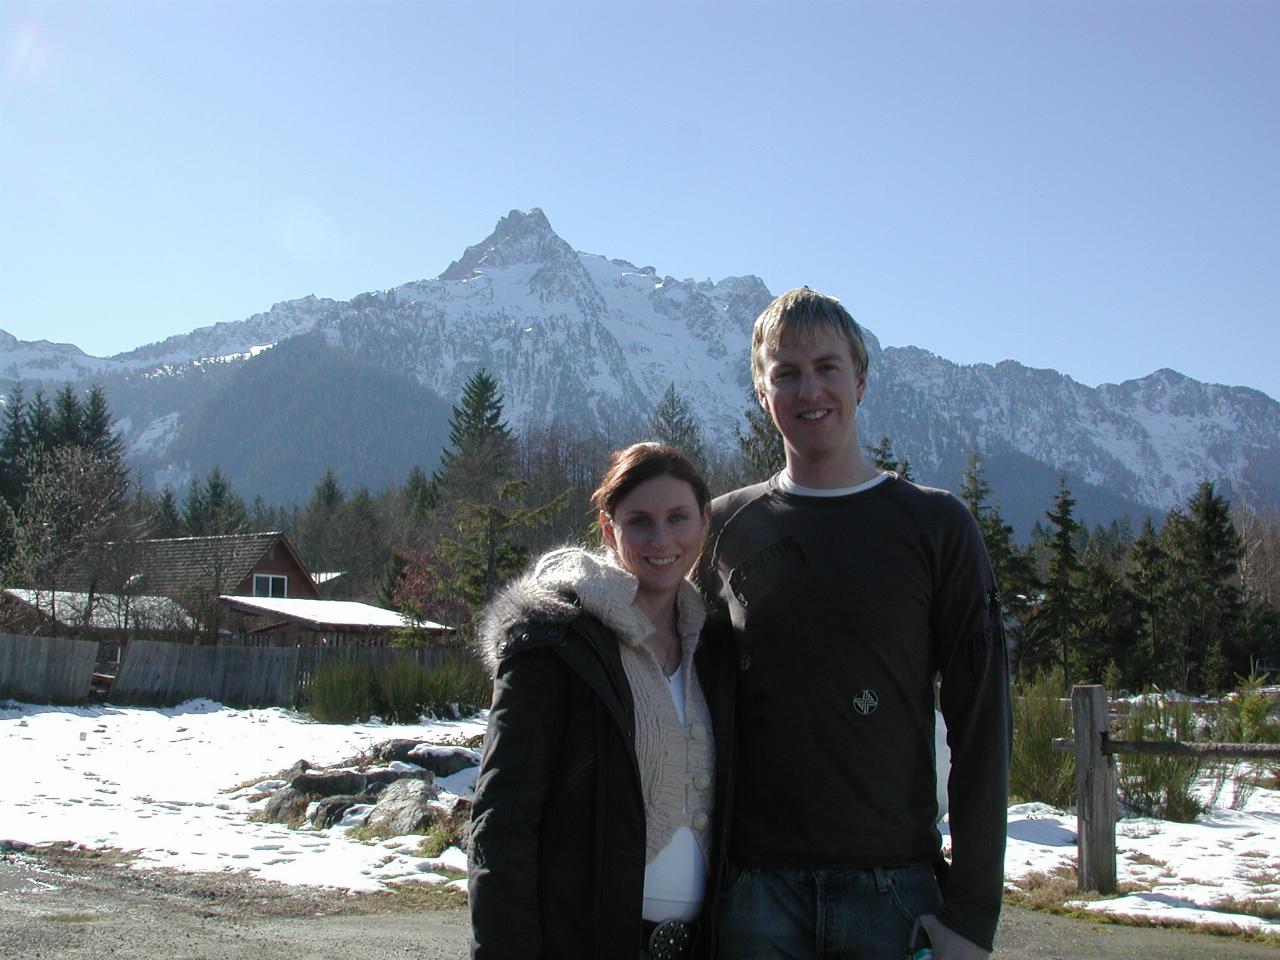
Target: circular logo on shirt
(866,702)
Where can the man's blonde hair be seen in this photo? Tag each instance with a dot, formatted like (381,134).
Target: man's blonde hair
(802,314)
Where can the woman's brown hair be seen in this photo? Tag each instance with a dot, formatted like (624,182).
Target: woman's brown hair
(633,465)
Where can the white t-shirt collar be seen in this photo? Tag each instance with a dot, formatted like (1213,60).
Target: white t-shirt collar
(787,485)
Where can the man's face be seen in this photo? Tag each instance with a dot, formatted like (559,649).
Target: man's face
(812,389)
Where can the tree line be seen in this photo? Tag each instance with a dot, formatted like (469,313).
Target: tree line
(1190,604)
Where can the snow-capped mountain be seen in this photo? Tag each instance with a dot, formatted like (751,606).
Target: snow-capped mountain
(579,338)
(42,360)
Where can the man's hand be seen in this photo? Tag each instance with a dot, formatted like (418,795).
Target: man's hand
(949,945)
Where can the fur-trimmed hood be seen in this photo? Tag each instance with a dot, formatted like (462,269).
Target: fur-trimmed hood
(567,581)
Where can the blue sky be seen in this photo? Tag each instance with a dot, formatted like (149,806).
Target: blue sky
(1085,186)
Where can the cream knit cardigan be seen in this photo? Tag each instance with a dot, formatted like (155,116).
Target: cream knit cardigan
(677,762)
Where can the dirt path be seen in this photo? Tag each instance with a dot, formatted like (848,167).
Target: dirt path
(55,907)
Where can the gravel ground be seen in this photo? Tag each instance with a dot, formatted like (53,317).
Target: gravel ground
(61,905)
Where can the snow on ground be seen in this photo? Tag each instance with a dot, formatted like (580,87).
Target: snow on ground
(153,780)
(159,781)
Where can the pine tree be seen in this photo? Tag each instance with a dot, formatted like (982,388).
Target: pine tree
(1206,605)
(480,511)
(13,444)
(167,521)
(1108,621)
(1152,659)
(483,450)
(40,433)
(225,511)
(1053,622)
(484,548)
(762,448)
(320,533)
(673,423)
(193,510)
(68,418)
(479,417)
(13,555)
(96,427)
(419,495)
(213,508)
(1013,569)
(883,458)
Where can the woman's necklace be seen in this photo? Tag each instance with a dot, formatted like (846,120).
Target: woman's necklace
(667,646)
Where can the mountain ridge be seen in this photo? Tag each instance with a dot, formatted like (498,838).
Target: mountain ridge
(591,341)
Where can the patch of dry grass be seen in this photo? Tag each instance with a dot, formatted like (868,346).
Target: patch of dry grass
(1137,856)
(70,917)
(1053,892)
(431,896)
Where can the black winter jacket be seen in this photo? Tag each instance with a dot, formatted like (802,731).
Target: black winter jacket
(558,832)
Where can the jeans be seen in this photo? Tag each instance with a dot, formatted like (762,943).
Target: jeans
(853,914)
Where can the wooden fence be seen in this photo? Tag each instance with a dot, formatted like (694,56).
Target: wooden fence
(46,669)
(153,672)
(161,673)
(1096,802)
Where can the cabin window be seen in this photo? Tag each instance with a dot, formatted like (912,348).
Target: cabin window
(270,585)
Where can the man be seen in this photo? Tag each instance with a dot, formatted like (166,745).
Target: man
(849,589)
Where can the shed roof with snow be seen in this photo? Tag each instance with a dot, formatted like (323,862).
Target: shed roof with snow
(346,616)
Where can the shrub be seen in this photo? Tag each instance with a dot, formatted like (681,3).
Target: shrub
(342,693)
(456,688)
(1155,785)
(399,690)
(1039,715)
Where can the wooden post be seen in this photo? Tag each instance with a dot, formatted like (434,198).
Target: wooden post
(1095,791)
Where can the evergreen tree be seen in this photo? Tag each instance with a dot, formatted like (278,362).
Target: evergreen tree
(13,444)
(1108,620)
(1013,569)
(263,517)
(1054,620)
(419,495)
(97,429)
(68,418)
(483,450)
(1153,659)
(1206,606)
(224,510)
(390,577)
(673,423)
(167,521)
(40,434)
(762,448)
(13,555)
(364,543)
(213,508)
(320,533)
(883,458)
(484,548)
(479,416)
(480,514)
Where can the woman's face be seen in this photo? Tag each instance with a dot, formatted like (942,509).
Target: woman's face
(657,532)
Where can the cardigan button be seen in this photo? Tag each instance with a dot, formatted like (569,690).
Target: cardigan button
(700,821)
(702,781)
(698,732)
(744,662)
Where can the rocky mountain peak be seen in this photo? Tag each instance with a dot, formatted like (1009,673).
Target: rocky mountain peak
(518,238)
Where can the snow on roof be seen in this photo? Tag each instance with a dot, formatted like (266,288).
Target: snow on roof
(332,614)
(110,611)
(326,575)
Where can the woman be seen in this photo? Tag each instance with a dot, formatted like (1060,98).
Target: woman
(591,825)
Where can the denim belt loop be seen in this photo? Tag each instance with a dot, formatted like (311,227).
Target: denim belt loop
(883,883)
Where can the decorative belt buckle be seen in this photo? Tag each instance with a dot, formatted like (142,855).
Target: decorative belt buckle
(670,940)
